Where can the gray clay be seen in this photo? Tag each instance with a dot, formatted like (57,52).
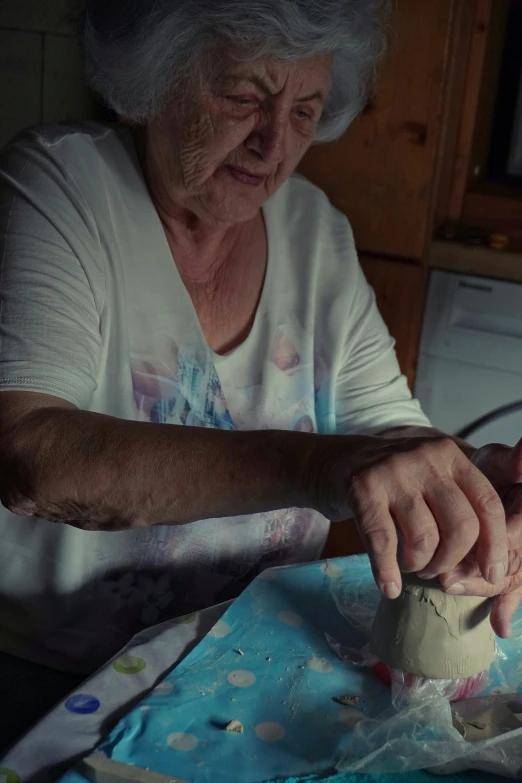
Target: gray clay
(432,634)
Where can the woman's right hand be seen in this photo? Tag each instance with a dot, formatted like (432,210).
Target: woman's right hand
(423,487)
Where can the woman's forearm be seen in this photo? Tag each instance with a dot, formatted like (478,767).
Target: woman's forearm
(99,472)
(102,473)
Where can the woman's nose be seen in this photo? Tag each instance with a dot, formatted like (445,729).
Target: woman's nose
(269,141)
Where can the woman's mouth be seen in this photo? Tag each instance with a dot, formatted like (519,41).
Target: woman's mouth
(246,177)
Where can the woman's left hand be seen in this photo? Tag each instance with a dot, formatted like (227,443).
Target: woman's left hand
(502,465)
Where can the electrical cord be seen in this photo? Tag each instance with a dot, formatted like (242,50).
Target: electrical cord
(498,413)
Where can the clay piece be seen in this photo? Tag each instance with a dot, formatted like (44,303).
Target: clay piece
(432,634)
(234,726)
(348,701)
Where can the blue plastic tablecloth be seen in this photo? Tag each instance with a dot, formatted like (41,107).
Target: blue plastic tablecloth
(267,664)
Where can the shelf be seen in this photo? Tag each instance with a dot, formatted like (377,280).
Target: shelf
(494,206)
(469,259)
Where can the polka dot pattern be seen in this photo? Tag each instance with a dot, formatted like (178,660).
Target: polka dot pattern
(320,665)
(9,776)
(182,741)
(291,618)
(220,630)
(260,664)
(270,732)
(331,569)
(129,664)
(163,689)
(186,620)
(241,678)
(82,704)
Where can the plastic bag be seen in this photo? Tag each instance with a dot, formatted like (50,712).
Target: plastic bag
(419,730)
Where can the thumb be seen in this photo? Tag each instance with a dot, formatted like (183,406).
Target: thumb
(495,462)
(503,610)
(515,463)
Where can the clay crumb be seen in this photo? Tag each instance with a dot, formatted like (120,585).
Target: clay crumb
(347,700)
(235,726)
(477,724)
(239,652)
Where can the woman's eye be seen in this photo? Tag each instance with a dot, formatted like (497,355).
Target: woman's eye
(303,115)
(241,100)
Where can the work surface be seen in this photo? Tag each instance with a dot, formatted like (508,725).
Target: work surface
(266,662)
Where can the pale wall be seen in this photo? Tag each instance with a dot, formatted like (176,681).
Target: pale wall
(40,69)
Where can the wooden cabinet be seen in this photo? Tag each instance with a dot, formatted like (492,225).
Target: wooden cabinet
(399,289)
(382,172)
(416,158)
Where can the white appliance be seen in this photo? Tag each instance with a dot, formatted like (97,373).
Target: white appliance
(470,361)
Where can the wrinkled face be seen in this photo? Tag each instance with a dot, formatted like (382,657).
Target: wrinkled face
(241,138)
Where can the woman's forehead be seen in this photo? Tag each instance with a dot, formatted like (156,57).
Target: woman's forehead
(272,77)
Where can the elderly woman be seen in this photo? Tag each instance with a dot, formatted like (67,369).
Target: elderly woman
(195,378)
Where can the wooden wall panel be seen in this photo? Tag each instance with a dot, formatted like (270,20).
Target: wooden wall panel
(481,37)
(399,289)
(381,173)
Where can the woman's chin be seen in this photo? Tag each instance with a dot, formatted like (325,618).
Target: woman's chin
(233,209)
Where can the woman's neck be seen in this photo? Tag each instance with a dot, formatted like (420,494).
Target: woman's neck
(200,248)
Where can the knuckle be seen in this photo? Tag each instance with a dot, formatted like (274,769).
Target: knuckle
(466,530)
(489,504)
(441,485)
(424,540)
(404,506)
(444,447)
(382,541)
(361,483)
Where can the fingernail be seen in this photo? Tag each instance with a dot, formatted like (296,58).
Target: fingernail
(390,589)
(496,573)
(447,583)
(426,575)
(456,589)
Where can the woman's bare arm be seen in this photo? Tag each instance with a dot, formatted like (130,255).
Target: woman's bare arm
(102,473)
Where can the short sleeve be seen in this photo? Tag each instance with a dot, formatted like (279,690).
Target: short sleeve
(371,393)
(51,282)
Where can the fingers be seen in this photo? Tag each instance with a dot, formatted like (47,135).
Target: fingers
(458,525)
(492,545)
(516,463)
(513,509)
(511,498)
(378,534)
(465,570)
(503,609)
(419,532)
(476,585)
(466,578)
(494,461)
(507,598)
